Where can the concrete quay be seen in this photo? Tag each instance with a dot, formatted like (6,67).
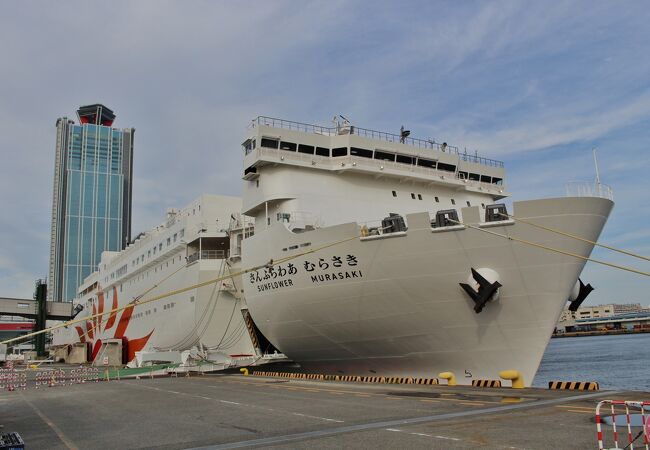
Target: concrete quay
(236,411)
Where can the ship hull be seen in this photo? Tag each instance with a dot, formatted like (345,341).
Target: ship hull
(392,305)
(208,317)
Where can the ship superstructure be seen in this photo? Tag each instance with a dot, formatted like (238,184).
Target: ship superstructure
(392,270)
(191,246)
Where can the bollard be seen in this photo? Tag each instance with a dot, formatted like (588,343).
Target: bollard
(515,376)
(244,370)
(449,376)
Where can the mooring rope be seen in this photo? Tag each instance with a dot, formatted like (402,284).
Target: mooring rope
(556,250)
(271,263)
(563,233)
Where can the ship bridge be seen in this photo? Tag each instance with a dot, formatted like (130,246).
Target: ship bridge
(349,148)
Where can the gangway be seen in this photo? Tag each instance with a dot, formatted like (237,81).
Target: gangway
(28,308)
(38,309)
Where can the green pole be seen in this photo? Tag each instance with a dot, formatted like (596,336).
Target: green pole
(41,316)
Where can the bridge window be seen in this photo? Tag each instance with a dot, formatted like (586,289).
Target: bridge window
(269,143)
(340,151)
(426,163)
(404,159)
(384,156)
(462,175)
(486,179)
(288,146)
(322,151)
(249,146)
(309,149)
(362,152)
(498,181)
(474,177)
(446,167)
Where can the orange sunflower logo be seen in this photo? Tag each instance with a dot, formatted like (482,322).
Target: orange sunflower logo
(97,327)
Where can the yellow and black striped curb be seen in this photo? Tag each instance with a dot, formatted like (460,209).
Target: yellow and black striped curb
(574,385)
(487,383)
(355,378)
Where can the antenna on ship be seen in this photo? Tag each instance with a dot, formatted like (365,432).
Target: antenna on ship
(596,164)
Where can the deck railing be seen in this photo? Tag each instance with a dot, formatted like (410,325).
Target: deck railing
(586,189)
(373,134)
(207,254)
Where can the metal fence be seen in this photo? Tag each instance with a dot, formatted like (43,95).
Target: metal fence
(373,134)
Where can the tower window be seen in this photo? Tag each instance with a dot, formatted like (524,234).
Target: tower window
(412,195)
(453,202)
(419,196)
(437,200)
(394,194)
(468,203)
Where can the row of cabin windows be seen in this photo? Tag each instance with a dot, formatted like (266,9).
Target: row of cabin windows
(144,275)
(419,197)
(378,155)
(170,239)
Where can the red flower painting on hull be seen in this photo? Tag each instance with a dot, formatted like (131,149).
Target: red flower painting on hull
(119,320)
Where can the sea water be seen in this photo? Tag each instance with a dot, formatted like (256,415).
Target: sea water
(614,361)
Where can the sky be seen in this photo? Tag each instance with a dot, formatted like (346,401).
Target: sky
(535,84)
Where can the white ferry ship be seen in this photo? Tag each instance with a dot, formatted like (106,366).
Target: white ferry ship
(192,245)
(413,272)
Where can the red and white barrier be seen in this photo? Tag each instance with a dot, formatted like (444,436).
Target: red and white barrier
(616,408)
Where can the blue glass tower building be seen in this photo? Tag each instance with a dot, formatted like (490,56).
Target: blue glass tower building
(91,206)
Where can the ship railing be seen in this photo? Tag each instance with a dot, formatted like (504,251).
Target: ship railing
(304,220)
(586,189)
(295,126)
(373,134)
(207,254)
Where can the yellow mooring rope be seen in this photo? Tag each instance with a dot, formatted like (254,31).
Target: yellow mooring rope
(563,233)
(313,250)
(563,252)
(271,263)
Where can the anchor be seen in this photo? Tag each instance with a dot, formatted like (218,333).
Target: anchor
(583,292)
(486,291)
